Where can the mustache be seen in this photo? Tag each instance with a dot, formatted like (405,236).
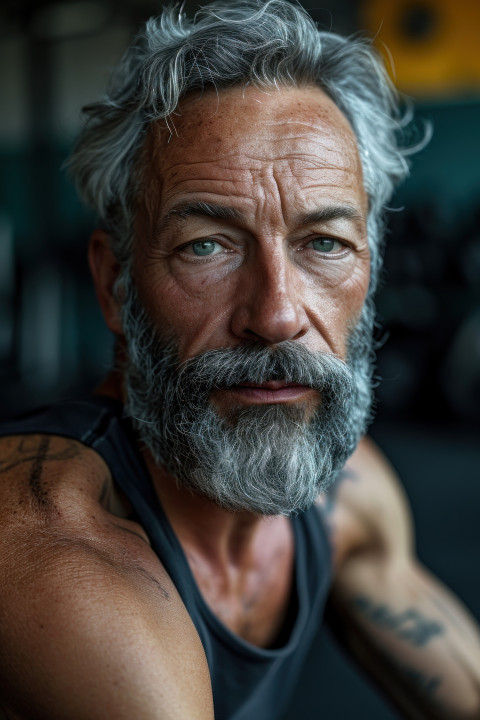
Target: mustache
(288,362)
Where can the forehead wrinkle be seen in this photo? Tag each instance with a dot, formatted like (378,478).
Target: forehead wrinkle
(189,189)
(255,185)
(291,148)
(231,156)
(329,136)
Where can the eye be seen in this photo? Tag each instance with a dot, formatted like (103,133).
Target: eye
(326,245)
(202,248)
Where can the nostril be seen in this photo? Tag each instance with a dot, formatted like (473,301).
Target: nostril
(300,334)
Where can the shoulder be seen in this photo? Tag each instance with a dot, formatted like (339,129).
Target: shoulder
(36,469)
(58,498)
(48,480)
(78,572)
(57,495)
(366,511)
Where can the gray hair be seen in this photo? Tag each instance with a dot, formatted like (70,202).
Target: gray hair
(234,42)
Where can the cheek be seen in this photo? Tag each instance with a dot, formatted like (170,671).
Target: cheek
(192,305)
(336,278)
(335,307)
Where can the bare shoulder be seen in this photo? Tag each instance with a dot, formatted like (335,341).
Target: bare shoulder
(38,470)
(86,607)
(54,485)
(367,510)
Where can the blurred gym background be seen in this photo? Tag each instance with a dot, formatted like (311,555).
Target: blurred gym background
(56,56)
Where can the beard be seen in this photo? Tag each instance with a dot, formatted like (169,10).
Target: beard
(268,459)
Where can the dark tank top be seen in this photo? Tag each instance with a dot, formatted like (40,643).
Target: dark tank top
(248,682)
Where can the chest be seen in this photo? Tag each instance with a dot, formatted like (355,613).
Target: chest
(258,602)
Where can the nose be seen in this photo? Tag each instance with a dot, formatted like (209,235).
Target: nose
(269,306)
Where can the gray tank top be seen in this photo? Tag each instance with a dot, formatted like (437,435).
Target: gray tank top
(248,682)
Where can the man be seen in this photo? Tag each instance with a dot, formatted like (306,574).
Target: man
(163,543)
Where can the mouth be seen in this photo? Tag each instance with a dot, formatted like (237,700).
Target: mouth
(270,392)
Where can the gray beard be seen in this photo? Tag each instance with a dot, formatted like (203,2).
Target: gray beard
(267,459)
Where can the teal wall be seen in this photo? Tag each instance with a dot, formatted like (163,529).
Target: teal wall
(448,169)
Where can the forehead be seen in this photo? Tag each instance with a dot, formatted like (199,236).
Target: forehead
(242,135)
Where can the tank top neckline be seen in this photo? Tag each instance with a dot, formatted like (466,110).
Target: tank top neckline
(299,591)
(221,630)
(298,595)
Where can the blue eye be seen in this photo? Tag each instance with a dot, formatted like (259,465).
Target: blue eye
(326,245)
(204,247)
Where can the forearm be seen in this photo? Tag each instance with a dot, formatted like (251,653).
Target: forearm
(416,641)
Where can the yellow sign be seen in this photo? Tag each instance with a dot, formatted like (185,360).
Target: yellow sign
(434,44)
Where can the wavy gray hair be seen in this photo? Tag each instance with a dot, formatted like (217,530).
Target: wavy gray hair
(233,42)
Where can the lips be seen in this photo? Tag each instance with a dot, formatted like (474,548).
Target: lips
(271,391)
(270,385)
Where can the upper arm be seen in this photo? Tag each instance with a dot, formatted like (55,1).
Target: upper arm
(400,622)
(367,514)
(90,623)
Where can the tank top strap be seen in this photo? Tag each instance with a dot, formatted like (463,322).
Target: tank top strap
(317,550)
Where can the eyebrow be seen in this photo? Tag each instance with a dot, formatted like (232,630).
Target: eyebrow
(202,209)
(329,213)
(325,214)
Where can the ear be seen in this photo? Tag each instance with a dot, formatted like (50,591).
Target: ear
(105,269)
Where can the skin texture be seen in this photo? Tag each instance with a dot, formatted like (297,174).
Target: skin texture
(406,630)
(273,158)
(90,623)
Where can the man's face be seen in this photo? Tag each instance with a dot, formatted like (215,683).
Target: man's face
(251,237)
(289,260)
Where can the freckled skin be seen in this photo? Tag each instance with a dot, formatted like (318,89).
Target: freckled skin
(273,156)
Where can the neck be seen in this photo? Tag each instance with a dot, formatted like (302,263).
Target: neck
(221,536)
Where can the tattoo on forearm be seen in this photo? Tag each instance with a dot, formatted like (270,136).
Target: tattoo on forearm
(408,625)
(426,684)
(27,449)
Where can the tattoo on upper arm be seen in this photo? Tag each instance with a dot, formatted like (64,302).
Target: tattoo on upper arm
(152,579)
(35,479)
(409,625)
(28,449)
(36,450)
